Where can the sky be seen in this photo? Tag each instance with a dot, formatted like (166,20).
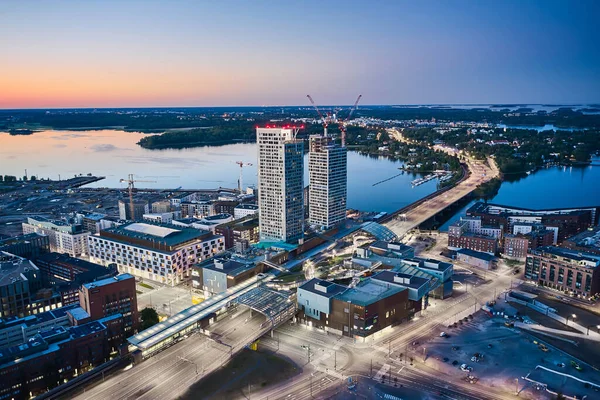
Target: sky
(234,53)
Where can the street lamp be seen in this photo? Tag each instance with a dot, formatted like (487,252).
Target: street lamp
(573,316)
(589,326)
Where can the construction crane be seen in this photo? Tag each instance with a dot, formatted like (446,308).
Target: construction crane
(341,122)
(325,120)
(242,165)
(130,182)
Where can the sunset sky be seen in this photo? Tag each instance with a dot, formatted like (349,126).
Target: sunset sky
(194,53)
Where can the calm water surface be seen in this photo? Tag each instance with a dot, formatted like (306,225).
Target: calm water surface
(114,154)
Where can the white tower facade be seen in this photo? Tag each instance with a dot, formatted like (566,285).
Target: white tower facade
(280,184)
(327,192)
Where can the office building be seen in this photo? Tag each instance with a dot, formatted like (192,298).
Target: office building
(64,237)
(161,206)
(56,356)
(567,270)
(567,222)
(359,311)
(110,296)
(517,245)
(14,331)
(92,222)
(219,274)
(20,280)
(280,184)
(161,218)
(65,274)
(28,246)
(140,207)
(159,252)
(587,241)
(240,233)
(327,190)
(243,210)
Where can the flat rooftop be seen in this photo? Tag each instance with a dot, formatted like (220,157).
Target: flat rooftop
(327,289)
(570,254)
(108,281)
(247,207)
(36,319)
(410,281)
(165,234)
(227,266)
(12,268)
(476,254)
(368,292)
(19,239)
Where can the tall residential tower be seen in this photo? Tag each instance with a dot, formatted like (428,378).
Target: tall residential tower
(327,171)
(280,184)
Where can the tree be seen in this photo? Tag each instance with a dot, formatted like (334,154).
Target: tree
(33,178)
(149,317)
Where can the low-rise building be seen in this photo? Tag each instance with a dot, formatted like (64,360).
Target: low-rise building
(475,258)
(398,249)
(161,218)
(28,246)
(55,356)
(110,296)
(65,274)
(240,234)
(14,331)
(219,274)
(159,252)
(140,207)
(243,210)
(64,237)
(587,241)
(563,269)
(471,241)
(20,280)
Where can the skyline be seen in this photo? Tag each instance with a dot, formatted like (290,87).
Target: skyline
(153,54)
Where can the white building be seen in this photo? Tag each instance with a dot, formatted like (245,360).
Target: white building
(327,172)
(161,218)
(474,225)
(159,252)
(64,237)
(243,210)
(280,184)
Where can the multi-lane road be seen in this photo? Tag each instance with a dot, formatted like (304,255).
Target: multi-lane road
(170,373)
(480,172)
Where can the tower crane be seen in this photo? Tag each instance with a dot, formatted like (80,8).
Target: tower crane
(130,182)
(242,165)
(341,122)
(325,120)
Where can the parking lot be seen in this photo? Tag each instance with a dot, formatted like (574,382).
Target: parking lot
(508,358)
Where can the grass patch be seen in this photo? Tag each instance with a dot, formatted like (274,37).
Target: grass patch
(139,292)
(145,285)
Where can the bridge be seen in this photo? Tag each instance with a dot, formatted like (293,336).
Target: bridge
(475,173)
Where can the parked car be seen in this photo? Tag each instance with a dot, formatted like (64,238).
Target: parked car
(466,368)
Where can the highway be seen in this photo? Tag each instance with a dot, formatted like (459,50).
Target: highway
(480,172)
(170,373)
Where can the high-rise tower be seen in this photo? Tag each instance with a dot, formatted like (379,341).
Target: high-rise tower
(280,184)
(327,172)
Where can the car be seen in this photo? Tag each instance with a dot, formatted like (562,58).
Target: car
(446,359)
(443,334)
(576,365)
(560,365)
(490,346)
(455,362)
(466,368)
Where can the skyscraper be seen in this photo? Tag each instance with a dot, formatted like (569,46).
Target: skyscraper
(280,184)
(327,172)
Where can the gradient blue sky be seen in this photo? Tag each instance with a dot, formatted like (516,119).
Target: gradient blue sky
(194,53)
